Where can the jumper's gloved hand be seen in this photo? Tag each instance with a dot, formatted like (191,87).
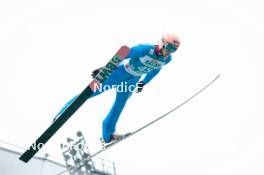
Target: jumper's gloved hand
(140,86)
(95,72)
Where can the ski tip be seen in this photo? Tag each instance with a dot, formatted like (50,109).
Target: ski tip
(217,76)
(123,51)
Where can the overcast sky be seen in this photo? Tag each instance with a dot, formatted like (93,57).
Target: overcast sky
(48,50)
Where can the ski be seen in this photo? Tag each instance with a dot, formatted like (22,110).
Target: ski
(150,123)
(103,74)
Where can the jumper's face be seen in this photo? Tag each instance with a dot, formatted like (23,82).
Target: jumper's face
(171,47)
(168,49)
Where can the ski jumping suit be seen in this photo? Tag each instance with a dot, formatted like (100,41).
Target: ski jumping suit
(141,60)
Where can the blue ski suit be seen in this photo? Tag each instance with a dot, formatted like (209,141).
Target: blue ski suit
(141,60)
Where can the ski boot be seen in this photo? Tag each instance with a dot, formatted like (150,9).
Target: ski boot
(114,138)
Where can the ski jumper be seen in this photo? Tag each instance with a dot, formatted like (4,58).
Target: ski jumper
(142,60)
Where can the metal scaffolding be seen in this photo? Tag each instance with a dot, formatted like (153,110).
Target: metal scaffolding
(77,159)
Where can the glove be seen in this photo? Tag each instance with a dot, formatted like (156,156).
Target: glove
(95,72)
(140,86)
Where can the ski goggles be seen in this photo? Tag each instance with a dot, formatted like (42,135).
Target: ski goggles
(170,47)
